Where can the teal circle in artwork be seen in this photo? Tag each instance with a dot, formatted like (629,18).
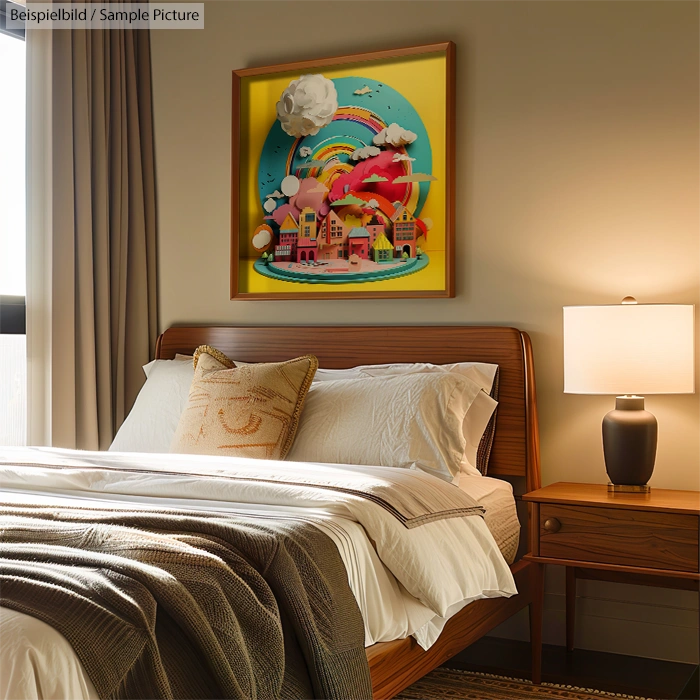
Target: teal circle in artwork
(358,119)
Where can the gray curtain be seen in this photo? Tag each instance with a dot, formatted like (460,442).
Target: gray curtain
(103,231)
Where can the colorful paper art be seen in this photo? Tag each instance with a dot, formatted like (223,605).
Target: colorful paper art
(342,176)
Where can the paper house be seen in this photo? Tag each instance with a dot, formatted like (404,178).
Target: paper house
(333,238)
(358,242)
(286,250)
(307,223)
(376,228)
(383,250)
(406,231)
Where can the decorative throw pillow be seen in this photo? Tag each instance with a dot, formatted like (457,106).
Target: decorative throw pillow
(247,411)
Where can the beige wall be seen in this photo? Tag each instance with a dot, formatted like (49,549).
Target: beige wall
(577,183)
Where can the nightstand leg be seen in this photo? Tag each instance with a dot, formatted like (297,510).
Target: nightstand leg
(570,607)
(536,612)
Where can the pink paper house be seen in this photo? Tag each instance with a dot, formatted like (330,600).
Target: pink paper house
(286,250)
(307,243)
(375,228)
(333,238)
(358,242)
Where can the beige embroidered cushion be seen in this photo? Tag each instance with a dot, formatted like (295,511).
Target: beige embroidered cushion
(247,411)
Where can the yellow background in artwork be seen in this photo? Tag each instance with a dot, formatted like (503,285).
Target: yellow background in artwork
(422,81)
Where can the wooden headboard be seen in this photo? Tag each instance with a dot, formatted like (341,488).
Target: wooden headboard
(516,444)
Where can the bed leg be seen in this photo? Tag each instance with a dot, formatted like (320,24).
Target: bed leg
(536,611)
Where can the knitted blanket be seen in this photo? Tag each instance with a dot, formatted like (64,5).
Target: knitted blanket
(188,604)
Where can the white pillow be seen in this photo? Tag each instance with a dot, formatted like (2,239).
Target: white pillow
(478,415)
(483,373)
(407,420)
(151,423)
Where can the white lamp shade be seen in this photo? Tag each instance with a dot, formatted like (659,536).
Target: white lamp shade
(629,349)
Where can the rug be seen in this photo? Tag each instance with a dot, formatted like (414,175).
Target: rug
(452,684)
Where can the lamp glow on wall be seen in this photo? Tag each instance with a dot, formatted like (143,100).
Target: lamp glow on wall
(629,350)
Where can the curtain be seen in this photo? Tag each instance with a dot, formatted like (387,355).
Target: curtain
(91,298)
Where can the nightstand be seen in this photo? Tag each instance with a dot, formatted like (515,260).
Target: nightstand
(647,539)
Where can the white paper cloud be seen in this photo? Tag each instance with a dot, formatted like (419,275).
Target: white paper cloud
(290,185)
(364,152)
(262,238)
(398,157)
(307,105)
(276,194)
(305,151)
(363,91)
(394,135)
(270,205)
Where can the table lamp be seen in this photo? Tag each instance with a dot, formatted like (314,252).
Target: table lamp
(629,350)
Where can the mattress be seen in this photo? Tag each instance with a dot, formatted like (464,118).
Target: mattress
(501,514)
(38,662)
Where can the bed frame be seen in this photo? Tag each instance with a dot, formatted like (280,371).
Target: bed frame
(515,454)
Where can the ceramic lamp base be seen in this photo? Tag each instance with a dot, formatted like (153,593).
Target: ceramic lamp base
(629,442)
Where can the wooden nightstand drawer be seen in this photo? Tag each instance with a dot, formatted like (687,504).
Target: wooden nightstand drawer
(640,538)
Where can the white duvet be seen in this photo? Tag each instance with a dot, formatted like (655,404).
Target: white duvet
(409,583)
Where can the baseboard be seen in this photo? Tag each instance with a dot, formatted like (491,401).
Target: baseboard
(617,618)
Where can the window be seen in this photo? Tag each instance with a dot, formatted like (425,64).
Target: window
(13,360)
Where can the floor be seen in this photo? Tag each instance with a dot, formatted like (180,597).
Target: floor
(590,669)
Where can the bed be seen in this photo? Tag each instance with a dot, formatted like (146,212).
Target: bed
(394,665)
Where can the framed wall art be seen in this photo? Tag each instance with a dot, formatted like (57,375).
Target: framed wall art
(342,179)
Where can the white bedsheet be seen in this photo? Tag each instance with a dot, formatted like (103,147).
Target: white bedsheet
(36,661)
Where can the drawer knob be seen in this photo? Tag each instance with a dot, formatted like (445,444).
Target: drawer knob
(552,525)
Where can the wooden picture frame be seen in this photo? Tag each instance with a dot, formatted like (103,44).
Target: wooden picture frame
(393,194)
